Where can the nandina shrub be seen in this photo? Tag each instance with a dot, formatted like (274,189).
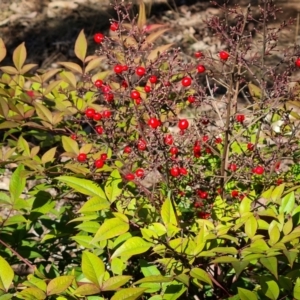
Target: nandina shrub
(175,193)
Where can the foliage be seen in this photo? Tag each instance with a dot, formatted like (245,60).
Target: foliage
(143,183)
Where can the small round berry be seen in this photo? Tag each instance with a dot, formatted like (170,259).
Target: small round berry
(277,165)
(153,79)
(90,112)
(127,150)
(203,215)
(259,170)
(223,55)
(106,114)
(118,69)
(30,93)
(98,38)
(240,118)
(73,136)
(99,129)
(175,171)
(183,124)
(99,163)
(97,116)
(197,149)
(125,68)
(234,194)
(140,71)
(142,145)
(138,101)
(200,69)
(205,121)
(250,146)
(105,89)
(218,140)
(114,26)
(205,138)
(147,89)
(232,167)
(109,97)
(202,194)
(174,150)
(167,83)
(129,177)
(98,83)
(191,99)
(279,181)
(135,94)
(103,156)
(208,150)
(168,139)
(81,157)
(139,173)
(153,123)
(198,54)
(297,62)
(124,84)
(183,171)
(186,81)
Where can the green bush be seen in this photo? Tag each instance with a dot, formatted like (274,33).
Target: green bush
(132,179)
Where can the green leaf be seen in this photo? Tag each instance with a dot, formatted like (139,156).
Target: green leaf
(87,289)
(17,183)
(148,269)
(291,256)
(81,46)
(132,246)
(83,186)
(251,227)
(19,56)
(128,294)
(70,145)
(246,295)
(32,293)
(225,259)
(117,266)
(6,296)
(93,268)
(6,274)
(154,278)
(59,284)
(89,226)
(201,275)
(48,155)
(277,192)
(287,203)
(94,204)
(111,228)
(167,213)
(296,292)
(269,288)
(112,187)
(115,282)
(239,267)
(271,264)
(37,282)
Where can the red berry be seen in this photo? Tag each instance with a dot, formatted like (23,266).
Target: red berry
(147,89)
(205,121)
(183,171)
(202,194)
(81,157)
(127,150)
(125,68)
(259,170)
(208,150)
(232,167)
(191,99)
(168,139)
(142,145)
(174,150)
(139,173)
(135,94)
(98,38)
(118,69)
(30,93)
(124,84)
(106,114)
(114,26)
(277,165)
(205,138)
(167,83)
(129,177)
(98,83)
(153,79)
(73,136)
(279,181)
(197,149)
(103,156)
(138,101)
(297,62)
(203,215)
(201,69)
(99,163)
(198,204)
(183,124)
(175,171)
(223,55)
(186,81)
(250,146)
(99,129)
(140,71)
(218,140)
(153,123)
(109,97)
(105,89)
(90,112)
(234,193)
(240,118)
(198,54)
(97,116)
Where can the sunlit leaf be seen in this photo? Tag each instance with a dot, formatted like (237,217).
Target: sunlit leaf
(81,46)
(19,56)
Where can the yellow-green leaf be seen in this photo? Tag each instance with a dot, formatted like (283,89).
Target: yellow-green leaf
(142,16)
(49,155)
(113,188)
(246,295)
(70,145)
(93,268)
(94,204)
(115,282)
(251,227)
(72,66)
(271,264)
(87,289)
(128,294)
(32,293)
(59,284)
(167,213)
(6,275)
(81,46)
(19,56)
(2,50)
(153,55)
(94,63)
(154,278)
(201,275)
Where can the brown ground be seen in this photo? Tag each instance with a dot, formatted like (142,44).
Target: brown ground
(50,27)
